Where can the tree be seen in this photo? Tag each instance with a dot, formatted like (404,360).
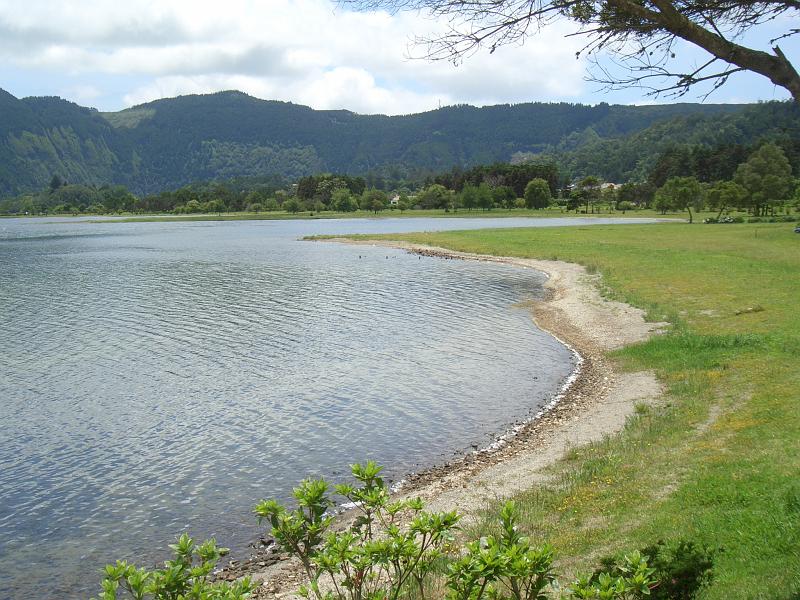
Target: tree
(537,193)
(343,201)
(681,193)
(587,191)
(307,187)
(374,200)
(327,187)
(662,203)
(56,182)
(767,177)
(255,198)
(403,203)
(640,35)
(117,198)
(74,197)
(434,196)
(223,193)
(723,194)
(635,193)
(503,195)
(292,206)
(625,206)
(215,206)
(484,197)
(469,196)
(609,196)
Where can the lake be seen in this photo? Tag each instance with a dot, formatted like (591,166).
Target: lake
(157,378)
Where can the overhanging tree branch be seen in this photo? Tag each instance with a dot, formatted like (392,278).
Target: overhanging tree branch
(625,29)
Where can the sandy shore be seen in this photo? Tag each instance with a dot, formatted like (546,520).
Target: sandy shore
(596,403)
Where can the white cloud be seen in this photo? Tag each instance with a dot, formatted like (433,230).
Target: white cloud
(82,94)
(306,51)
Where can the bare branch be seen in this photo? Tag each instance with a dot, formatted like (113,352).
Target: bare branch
(614,27)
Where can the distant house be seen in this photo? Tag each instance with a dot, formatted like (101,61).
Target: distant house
(394,200)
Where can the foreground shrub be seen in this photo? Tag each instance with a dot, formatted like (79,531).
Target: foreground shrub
(390,546)
(395,549)
(507,566)
(681,568)
(185,577)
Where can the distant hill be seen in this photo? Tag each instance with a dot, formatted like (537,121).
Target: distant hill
(169,143)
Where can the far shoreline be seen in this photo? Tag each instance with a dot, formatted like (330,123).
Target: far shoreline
(497,213)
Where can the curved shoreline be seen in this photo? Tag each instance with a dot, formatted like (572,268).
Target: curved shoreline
(594,402)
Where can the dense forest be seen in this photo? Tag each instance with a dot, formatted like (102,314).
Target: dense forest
(168,144)
(759,179)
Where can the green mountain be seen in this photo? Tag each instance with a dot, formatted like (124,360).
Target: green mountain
(169,143)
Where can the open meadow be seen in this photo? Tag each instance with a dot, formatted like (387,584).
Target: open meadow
(718,461)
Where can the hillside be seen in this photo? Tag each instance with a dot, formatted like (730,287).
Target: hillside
(171,142)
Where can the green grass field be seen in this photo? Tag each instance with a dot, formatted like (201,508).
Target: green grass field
(719,461)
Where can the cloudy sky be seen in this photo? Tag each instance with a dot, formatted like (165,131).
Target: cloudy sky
(111,55)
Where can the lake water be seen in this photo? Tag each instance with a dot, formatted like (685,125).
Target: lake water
(162,377)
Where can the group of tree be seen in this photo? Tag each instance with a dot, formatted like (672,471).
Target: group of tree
(503,175)
(60,196)
(704,146)
(762,185)
(338,199)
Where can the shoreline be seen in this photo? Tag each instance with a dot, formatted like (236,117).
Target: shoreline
(594,401)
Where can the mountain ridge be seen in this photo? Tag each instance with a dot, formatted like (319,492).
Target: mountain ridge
(170,142)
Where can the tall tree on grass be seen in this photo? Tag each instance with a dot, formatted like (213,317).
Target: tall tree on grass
(374,200)
(342,201)
(724,194)
(292,206)
(537,193)
(469,196)
(435,196)
(588,190)
(504,195)
(485,198)
(767,177)
(681,193)
(642,36)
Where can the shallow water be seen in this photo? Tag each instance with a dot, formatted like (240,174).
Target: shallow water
(162,377)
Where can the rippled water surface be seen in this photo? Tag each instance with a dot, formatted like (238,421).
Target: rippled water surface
(162,377)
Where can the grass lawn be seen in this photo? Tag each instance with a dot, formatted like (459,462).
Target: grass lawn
(719,461)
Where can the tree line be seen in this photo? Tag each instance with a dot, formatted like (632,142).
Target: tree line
(762,183)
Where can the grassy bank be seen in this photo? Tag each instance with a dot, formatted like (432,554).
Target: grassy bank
(719,461)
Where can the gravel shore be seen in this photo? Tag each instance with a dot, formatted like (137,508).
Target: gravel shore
(595,403)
